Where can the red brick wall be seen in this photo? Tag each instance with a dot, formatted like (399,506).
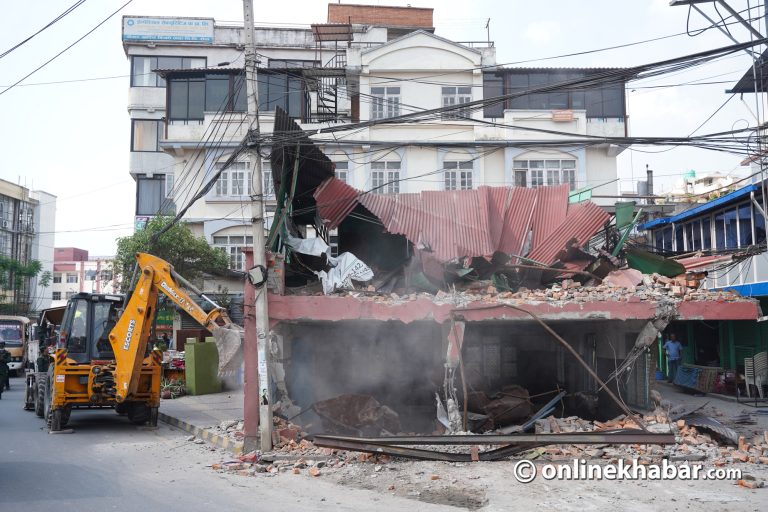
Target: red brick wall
(380,15)
(70,254)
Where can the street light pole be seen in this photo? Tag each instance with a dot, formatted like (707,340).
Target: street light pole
(257,409)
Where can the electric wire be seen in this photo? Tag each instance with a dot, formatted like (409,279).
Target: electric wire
(65,49)
(48,25)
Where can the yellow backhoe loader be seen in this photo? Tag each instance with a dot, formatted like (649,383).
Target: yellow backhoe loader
(102,356)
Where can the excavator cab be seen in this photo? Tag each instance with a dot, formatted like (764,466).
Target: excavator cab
(86,325)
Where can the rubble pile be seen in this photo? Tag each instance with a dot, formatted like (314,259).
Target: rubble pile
(693,444)
(294,454)
(294,457)
(232,429)
(652,287)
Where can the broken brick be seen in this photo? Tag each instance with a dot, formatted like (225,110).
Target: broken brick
(288,433)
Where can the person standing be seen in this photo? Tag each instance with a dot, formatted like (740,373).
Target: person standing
(5,358)
(674,351)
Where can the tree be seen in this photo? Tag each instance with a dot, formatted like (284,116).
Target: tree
(190,256)
(15,278)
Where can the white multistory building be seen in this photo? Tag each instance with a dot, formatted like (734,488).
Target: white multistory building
(74,271)
(366,63)
(27,226)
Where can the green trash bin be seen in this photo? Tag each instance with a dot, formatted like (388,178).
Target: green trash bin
(202,367)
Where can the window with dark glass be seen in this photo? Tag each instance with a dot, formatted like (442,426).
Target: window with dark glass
(280,89)
(150,196)
(190,96)
(493,86)
(186,98)
(696,240)
(759,227)
(706,228)
(599,100)
(688,237)
(667,237)
(731,234)
(104,319)
(77,340)
(720,231)
(745,225)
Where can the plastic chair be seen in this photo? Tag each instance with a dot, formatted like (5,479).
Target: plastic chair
(760,369)
(749,374)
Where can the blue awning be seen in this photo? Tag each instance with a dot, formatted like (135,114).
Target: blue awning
(702,208)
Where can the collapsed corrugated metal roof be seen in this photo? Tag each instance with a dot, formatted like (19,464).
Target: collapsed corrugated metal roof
(453,224)
(291,143)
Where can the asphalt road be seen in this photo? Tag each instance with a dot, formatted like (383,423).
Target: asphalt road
(109,464)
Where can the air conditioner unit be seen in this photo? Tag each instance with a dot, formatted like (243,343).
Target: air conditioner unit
(6,224)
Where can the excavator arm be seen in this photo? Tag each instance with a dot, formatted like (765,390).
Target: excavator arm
(130,335)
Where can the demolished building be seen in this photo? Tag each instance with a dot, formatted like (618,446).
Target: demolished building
(478,295)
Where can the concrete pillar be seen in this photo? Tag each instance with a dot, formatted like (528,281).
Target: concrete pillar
(251,363)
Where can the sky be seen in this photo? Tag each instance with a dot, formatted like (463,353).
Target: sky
(72,139)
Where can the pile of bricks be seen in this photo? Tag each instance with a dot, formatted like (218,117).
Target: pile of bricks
(653,287)
(297,458)
(693,444)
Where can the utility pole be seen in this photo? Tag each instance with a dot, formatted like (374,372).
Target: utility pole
(257,408)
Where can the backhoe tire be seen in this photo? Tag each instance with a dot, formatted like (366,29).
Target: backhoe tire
(153,413)
(30,393)
(40,400)
(138,413)
(121,408)
(47,398)
(56,417)
(65,414)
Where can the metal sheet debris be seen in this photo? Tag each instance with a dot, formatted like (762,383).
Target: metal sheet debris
(512,444)
(454,224)
(356,414)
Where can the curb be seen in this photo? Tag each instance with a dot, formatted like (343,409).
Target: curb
(225,443)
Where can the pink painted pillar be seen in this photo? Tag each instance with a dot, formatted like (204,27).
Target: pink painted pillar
(251,363)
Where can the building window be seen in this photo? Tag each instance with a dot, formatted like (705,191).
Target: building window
(537,173)
(191,95)
(281,89)
(72,278)
(169,185)
(385,177)
(385,102)
(56,296)
(186,98)
(68,295)
(106,275)
(456,96)
(90,275)
(600,100)
(56,278)
(663,238)
(145,134)
(745,225)
(458,175)
(233,246)
(142,66)
(267,184)
(151,197)
(234,180)
(341,171)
